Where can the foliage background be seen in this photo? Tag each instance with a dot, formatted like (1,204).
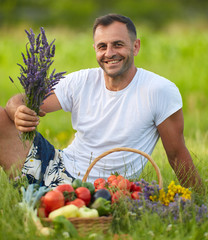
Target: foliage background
(174,44)
(81,13)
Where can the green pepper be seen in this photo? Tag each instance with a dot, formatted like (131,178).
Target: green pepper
(76,183)
(61,224)
(102,205)
(86,212)
(90,186)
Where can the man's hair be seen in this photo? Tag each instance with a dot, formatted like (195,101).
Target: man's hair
(110,18)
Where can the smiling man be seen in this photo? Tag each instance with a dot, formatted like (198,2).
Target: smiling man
(116,105)
(115,51)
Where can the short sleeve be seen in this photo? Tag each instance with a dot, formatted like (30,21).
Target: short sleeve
(165,99)
(64,91)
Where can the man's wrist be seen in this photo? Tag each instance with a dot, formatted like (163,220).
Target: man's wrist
(13,104)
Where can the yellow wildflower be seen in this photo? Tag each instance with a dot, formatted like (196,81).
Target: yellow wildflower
(173,189)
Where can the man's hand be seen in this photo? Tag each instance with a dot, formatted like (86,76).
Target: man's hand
(26,119)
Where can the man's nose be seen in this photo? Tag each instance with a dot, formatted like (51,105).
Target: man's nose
(109,52)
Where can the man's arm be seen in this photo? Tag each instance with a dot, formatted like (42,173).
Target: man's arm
(171,133)
(26,119)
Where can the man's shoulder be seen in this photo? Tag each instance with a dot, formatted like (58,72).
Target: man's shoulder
(155,85)
(84,78)
(154,79)
(84,72)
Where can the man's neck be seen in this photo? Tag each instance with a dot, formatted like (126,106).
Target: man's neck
(120,82)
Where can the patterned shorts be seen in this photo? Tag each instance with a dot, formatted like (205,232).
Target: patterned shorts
(44,164)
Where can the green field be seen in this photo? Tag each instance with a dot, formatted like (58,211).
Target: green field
(177,52)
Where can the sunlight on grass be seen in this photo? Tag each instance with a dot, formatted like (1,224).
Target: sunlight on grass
(168,52)
(177,52)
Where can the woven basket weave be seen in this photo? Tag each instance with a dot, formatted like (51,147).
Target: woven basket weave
(86,225)
(160,182)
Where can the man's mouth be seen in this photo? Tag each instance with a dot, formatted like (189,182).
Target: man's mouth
(112,61)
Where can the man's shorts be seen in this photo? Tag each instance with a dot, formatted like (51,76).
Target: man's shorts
(44,164)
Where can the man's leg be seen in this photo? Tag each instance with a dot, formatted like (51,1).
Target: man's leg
(12,151)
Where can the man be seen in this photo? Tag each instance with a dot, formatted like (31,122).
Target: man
(116,105)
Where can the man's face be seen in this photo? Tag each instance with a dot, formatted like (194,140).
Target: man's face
(114,49)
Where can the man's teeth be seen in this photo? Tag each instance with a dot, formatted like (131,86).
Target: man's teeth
(115,61)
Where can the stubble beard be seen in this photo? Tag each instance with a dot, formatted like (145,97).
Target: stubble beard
(124,68)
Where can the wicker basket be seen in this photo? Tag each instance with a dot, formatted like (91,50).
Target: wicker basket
(160,182)
(86,225)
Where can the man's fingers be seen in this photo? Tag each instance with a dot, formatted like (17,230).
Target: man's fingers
(21,122)
(25,119)
(25,129)
(25,126)
(26,110)
(42,113)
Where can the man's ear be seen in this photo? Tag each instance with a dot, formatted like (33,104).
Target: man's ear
(136,46)
(93,46)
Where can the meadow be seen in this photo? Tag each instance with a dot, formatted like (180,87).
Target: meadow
(177,52)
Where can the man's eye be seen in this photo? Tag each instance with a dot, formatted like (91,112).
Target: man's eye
(118,44)
(101,47)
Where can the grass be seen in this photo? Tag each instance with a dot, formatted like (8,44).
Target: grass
(177,52)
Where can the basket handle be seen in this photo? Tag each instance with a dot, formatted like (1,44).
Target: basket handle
(160,182)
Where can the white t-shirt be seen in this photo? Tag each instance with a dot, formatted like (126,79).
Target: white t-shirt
(107,119)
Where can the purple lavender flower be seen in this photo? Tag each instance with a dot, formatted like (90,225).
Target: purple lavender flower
(179,210)
(34,76)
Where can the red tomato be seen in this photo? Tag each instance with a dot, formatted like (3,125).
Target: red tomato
(119,177)
(67,190)
(111,178)
(53,200)
(135,187)
(131,186)
(64,188)
(84,194)
(98,181)
(111,190)
(119,194)
(135,195)
(124,184)
(42,213)
(101,186)
(77,202)
(114,185)
(41,203)
(116,196)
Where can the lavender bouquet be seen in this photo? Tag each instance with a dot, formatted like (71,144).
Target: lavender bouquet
(35,78)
